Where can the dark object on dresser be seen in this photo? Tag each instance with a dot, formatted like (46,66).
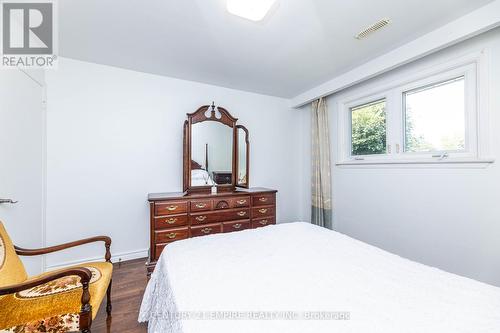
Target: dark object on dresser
(222,177)
(176,216)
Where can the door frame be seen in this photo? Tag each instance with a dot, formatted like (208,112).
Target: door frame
(43,219)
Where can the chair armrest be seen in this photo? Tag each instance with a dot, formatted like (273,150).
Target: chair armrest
(34,252)
(84,274)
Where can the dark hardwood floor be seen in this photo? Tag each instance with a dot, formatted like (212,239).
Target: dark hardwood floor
(129,283)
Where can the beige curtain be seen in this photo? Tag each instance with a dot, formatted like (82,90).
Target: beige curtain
(321,210)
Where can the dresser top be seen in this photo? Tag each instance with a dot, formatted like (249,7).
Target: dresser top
(177,195)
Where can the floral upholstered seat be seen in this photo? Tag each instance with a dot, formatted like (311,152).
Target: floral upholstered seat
(53,306)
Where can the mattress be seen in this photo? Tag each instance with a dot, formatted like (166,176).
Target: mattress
(297,277)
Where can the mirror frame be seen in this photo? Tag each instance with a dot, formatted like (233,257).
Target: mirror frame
(246,185)
(227,119)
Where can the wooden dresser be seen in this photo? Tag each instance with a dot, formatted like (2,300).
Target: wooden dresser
(176,216)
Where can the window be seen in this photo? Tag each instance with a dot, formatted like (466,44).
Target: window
(368,129)
(431,117)
(435,117)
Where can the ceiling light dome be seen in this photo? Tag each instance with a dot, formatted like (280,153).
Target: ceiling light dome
(254,10)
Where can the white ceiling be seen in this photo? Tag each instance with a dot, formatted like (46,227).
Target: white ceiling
(301,44)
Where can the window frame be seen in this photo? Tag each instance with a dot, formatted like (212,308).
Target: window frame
(470,85)
(346,136)
(466,122)
(350,127)
(471,67)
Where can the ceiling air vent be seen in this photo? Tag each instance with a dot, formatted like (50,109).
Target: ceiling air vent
(371,29)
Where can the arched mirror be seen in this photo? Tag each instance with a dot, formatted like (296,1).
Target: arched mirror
(215,151)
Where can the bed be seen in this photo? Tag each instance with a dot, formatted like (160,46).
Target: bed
(200,176)
(297,277)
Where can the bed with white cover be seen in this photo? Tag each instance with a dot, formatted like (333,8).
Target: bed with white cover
(253,280)
(200,177)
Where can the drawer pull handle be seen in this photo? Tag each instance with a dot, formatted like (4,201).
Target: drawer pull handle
(201,205)
(242,213)
(237,225)
(263,199)
(263,210)
(263,222)
(241,202)
(206,230)
(172,235)
(171,208)
(172,220)
(201,218)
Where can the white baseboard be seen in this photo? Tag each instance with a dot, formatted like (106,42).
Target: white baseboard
(124,256)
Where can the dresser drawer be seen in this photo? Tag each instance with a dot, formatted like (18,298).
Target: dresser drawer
(170,221)
(236,214)
(267,211)
(263,199)
(241,202)
(159,249)
(235,225)
(170,208)
(223,203)
(258,223)
(207,229)
(170,235)
(201,205)
(220,216)
(203,218)
(228,203)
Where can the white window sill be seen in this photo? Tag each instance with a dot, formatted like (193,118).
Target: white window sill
(419,163)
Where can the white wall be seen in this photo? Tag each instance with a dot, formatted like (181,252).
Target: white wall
(114,135)
(446,217)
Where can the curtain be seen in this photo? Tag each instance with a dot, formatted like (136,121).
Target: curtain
(321,182)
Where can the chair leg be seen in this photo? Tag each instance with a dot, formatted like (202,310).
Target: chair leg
(108,300)
(86,320)
(109,320)
(86,310)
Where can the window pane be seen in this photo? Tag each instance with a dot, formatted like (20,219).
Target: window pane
(435,117)
(368,128)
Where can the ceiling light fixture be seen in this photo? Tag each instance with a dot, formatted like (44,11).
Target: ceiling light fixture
(254,10)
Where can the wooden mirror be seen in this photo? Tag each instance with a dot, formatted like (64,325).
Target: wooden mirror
(216,151)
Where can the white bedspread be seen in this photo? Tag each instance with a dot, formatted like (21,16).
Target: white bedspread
(302,269)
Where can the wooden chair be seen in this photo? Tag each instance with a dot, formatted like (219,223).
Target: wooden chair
(64,300)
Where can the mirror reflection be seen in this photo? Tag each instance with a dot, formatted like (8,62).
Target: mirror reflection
(211,154)
(242,173)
